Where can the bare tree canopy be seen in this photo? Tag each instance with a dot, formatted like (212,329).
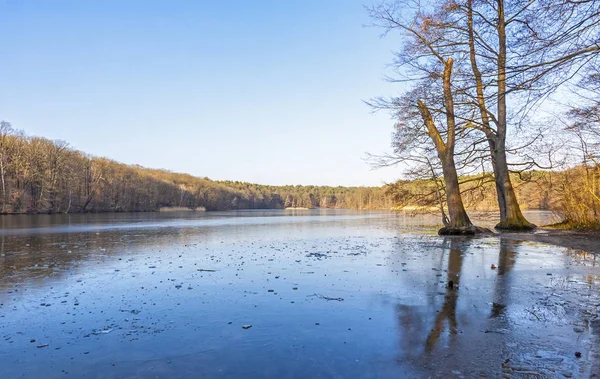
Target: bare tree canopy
(508,57)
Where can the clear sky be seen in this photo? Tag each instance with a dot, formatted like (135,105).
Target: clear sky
(259,91)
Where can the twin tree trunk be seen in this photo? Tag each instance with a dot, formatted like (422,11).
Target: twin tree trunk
(459,220)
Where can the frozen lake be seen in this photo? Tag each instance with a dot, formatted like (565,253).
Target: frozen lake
(322,294)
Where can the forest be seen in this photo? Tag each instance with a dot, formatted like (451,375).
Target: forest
(38,175)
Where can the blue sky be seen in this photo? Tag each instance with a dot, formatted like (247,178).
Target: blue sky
(259,91)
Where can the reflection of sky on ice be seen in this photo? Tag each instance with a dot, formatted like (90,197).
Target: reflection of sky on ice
(130,290)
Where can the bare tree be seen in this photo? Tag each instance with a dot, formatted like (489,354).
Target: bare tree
(525,49)
(428,111)
(508,58)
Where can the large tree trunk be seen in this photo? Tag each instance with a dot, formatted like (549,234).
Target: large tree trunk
(459,223)
(511,217)
(456,209)
(510,213)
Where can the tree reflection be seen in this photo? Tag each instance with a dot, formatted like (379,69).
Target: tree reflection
(424,326)
(415,320)
(506,261)
(447,315)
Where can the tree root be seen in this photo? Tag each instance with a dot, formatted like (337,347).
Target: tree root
(519,226)
(463,230)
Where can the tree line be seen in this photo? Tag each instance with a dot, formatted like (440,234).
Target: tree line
(477,75)
(571,194)
(38,175)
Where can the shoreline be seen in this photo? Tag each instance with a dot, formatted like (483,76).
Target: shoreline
(588,241)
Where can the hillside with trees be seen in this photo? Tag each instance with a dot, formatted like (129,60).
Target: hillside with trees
(38,175)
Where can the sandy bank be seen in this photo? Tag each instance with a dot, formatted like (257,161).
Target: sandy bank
(586,241)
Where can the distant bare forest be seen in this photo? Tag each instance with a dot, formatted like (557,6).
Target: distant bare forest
(38,175)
